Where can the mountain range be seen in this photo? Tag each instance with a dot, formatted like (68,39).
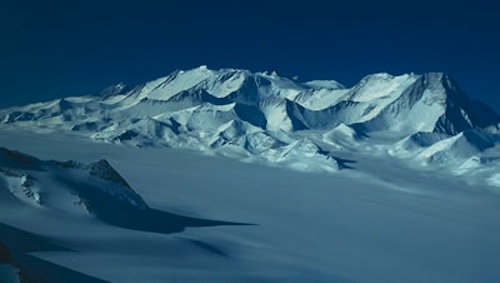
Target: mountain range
(262,116)
(402,182)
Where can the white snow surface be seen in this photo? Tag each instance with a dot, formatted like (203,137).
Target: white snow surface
(339,182)
(218,111)
(382,221)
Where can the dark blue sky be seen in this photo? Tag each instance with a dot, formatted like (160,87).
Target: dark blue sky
(53,49)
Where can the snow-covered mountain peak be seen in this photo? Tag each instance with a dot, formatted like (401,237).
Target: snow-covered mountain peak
(32,180)
(378,76)
(239,111)
(324,84)
(381,86)
(268,74)
(113,90)
(202,67)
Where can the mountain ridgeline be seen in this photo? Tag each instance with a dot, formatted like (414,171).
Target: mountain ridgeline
(240,113)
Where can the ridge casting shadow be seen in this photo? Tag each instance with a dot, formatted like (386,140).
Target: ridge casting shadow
(121,213)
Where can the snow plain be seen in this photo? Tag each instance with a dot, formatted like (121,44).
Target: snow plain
(380,221)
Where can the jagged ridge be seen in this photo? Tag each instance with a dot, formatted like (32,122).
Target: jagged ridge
(223,109)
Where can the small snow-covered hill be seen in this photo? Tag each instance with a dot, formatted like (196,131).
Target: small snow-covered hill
(84,190)
(46,184)
(274,119)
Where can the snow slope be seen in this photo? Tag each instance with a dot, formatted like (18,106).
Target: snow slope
(34,182)
(377,102)
(263,116)
(382,221)
(396,180)
(84,189)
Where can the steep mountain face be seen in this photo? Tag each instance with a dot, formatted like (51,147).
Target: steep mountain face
(34,182)
(240,113)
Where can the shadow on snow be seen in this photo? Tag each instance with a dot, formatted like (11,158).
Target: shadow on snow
(16,244)
(122,213)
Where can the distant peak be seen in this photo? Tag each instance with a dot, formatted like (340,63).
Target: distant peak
(113,90)
(441,78)
(327,84)
(381,75)
(437,76)
(269,74)
(201,68)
